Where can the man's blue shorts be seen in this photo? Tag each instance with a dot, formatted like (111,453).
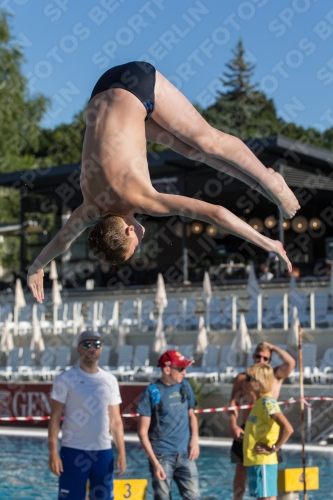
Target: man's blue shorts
(79,466)
(262,480)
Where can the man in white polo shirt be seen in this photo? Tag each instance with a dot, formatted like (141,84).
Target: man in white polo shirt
(89,398)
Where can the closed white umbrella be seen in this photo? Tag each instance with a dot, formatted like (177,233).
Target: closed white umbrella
(19,295)
(7,342)
(161,298)
(19,303)
(56,296)
(207,294)
(53,270)
(159,341)
(252,288)
(37,342)
(121,339)
(206,287)
(57,301)
(82,328)
(242,341)
(292,339)
(202,340)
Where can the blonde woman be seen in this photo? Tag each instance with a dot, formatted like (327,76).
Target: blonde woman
(266,430)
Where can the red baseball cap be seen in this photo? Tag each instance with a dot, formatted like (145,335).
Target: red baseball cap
(173,358)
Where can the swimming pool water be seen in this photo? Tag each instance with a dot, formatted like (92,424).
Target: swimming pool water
(24,471)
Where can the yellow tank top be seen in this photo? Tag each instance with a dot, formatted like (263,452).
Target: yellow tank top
(260,427)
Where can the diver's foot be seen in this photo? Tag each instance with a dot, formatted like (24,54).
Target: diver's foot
(257,187)
(282,254)
(282,195)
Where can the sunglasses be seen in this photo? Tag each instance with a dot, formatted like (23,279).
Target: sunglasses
(88,343)
(265,358)
(250,379)
(179,369)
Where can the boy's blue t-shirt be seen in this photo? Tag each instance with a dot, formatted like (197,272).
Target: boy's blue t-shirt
(171,435)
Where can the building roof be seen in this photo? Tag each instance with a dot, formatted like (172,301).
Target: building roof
(293,150)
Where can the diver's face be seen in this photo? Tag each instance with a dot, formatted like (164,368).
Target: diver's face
(139,231)
(135,232)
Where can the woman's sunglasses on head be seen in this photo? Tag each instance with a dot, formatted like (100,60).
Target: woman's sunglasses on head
(88,343)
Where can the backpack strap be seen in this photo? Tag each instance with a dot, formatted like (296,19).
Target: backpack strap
(156,403)
(184,392)
(154,394)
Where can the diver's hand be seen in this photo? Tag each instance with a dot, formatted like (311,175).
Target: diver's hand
(35,283)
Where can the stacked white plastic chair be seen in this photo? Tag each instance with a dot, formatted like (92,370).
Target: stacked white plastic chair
(124,363)
(273,312)
(171,314)
(209,365)
(146,319)
(309,364)
(46,366)
(11,367)
(129,313)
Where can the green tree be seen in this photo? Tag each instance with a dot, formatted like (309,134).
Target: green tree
(19,114)
(19,131)
(244,111)
(241,109)
(63,144)
(328,138)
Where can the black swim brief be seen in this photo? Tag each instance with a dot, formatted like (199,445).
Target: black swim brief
(135,77)
(236,452)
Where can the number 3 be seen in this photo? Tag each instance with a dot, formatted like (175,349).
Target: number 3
(128,493)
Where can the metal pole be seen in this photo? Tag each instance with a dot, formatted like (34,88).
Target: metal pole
(208,314)
(139,314)
(259,310)
(185,255)
(301,390)
(184,237)
(21,235)
(280,222)
(309,423)
(285,311)
(66,256)
(16,314)
(55,317)
(234,313)
(312,311)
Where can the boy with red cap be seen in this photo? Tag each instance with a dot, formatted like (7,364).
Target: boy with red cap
(168,429)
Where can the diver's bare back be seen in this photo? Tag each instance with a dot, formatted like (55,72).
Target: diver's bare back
(115,177)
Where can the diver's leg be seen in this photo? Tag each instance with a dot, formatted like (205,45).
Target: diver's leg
(159,135)
(176,114)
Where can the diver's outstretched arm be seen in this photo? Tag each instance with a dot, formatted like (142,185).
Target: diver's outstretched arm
(220,217)
(74,226)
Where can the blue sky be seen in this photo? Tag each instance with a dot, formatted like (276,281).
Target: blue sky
(69,44)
